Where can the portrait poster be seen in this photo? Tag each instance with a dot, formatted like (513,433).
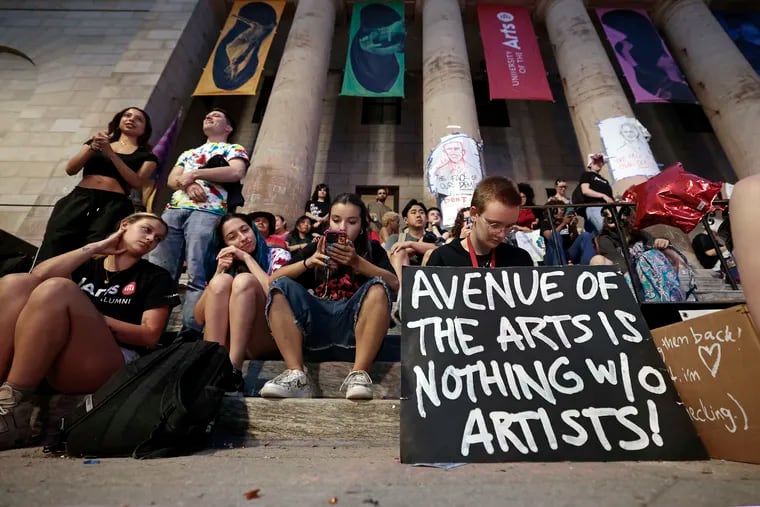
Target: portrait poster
(375,60)
(651,72)
(626,145)
(513,58)
(237,62)
(744,30)
(452,171)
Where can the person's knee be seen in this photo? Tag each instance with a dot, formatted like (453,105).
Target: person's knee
(18,283)
(599,260)
(376,298)
(246,282)
(221,284)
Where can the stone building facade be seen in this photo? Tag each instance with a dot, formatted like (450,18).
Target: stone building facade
(67,66)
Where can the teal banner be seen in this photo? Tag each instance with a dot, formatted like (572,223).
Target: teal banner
(375,61)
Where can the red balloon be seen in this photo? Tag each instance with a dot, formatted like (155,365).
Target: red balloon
(673,197)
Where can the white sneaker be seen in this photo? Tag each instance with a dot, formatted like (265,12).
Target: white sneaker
(288,384)
(358,386)
(15,419)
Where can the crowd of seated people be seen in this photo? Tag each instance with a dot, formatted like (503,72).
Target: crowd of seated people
(254,287)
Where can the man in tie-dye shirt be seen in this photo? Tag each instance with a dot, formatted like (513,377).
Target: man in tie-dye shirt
(200,198)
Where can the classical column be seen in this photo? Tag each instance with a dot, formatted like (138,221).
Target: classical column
(280,176)
(725,83)
(592,89)
(448,102)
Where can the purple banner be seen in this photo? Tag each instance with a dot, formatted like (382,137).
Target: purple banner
(648,66)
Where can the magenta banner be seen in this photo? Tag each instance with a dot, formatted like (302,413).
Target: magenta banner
(648,66)
(513,59)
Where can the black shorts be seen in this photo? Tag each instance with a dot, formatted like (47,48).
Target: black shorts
(83,216)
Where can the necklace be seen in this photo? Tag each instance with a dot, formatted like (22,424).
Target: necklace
(115,272)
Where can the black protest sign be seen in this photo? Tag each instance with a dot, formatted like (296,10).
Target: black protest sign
(533,364)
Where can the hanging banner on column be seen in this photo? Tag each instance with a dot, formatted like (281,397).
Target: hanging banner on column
(236,64)
(744,30)
(452,171)
(513,59)
(626,145)
(375,61)
(648,66)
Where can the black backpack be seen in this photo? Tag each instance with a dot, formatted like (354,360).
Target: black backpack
(163,404)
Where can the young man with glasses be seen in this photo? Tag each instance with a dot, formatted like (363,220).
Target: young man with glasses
(494,210)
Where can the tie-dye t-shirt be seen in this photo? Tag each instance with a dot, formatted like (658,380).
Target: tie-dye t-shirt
(216,195)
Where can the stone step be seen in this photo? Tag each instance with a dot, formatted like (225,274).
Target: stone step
(326,377)
(258,420)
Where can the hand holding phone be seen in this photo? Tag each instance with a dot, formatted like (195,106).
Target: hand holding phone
(335,237)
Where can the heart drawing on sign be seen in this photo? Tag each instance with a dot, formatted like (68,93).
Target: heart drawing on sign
(709,355)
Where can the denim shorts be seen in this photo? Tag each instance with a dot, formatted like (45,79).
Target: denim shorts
(324,323)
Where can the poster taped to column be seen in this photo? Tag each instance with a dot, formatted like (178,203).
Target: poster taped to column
(236,64)
(626,144)
(452,171)
(648,66)
(375,61)
(513,58)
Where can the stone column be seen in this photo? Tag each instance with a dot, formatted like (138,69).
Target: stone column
(279,179)
(725,83)
(592,88)
(448,102)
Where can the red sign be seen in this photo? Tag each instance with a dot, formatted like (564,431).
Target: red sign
(129,289)
(513,60)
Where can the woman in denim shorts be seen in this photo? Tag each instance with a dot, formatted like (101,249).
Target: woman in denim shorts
(332,294)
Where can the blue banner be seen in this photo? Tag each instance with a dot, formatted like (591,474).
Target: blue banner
(744,30)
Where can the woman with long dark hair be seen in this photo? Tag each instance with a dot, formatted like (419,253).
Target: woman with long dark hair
(318,207)
(335,293)
(113,162)
(231,308)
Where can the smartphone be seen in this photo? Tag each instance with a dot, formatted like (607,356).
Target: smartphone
(332,237)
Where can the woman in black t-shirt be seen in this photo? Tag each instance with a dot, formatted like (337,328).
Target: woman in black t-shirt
(594,188)
(113,162)
(318,208)
(79,317)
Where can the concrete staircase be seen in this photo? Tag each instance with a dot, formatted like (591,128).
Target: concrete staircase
(712,288)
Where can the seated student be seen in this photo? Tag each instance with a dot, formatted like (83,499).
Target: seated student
(408,248)
(434,221)
(575,245)
(655,268)
(332,295)
(494,210)
(79,317)
(231,308)
(301,236)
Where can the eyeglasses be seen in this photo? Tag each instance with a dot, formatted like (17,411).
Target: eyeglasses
(496,227)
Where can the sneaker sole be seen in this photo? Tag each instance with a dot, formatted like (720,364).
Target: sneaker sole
(281,394)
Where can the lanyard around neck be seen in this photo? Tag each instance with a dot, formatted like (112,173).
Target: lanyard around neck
(474,259)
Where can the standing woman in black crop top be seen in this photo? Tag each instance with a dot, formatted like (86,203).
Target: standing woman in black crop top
(113,163)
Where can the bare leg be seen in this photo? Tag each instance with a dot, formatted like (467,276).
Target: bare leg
(744,201)
(246,304)
(371,326)
(14,293)
(217,312)
(398,260)
(285,332)
(61,335)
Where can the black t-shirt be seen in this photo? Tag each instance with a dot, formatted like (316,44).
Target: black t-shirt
(453,254)
(100,164)
(295,239)
(128,293)
(595,183)
(344,282)
(564,233)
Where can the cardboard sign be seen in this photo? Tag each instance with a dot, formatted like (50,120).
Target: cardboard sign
(533,364)
(713,361)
